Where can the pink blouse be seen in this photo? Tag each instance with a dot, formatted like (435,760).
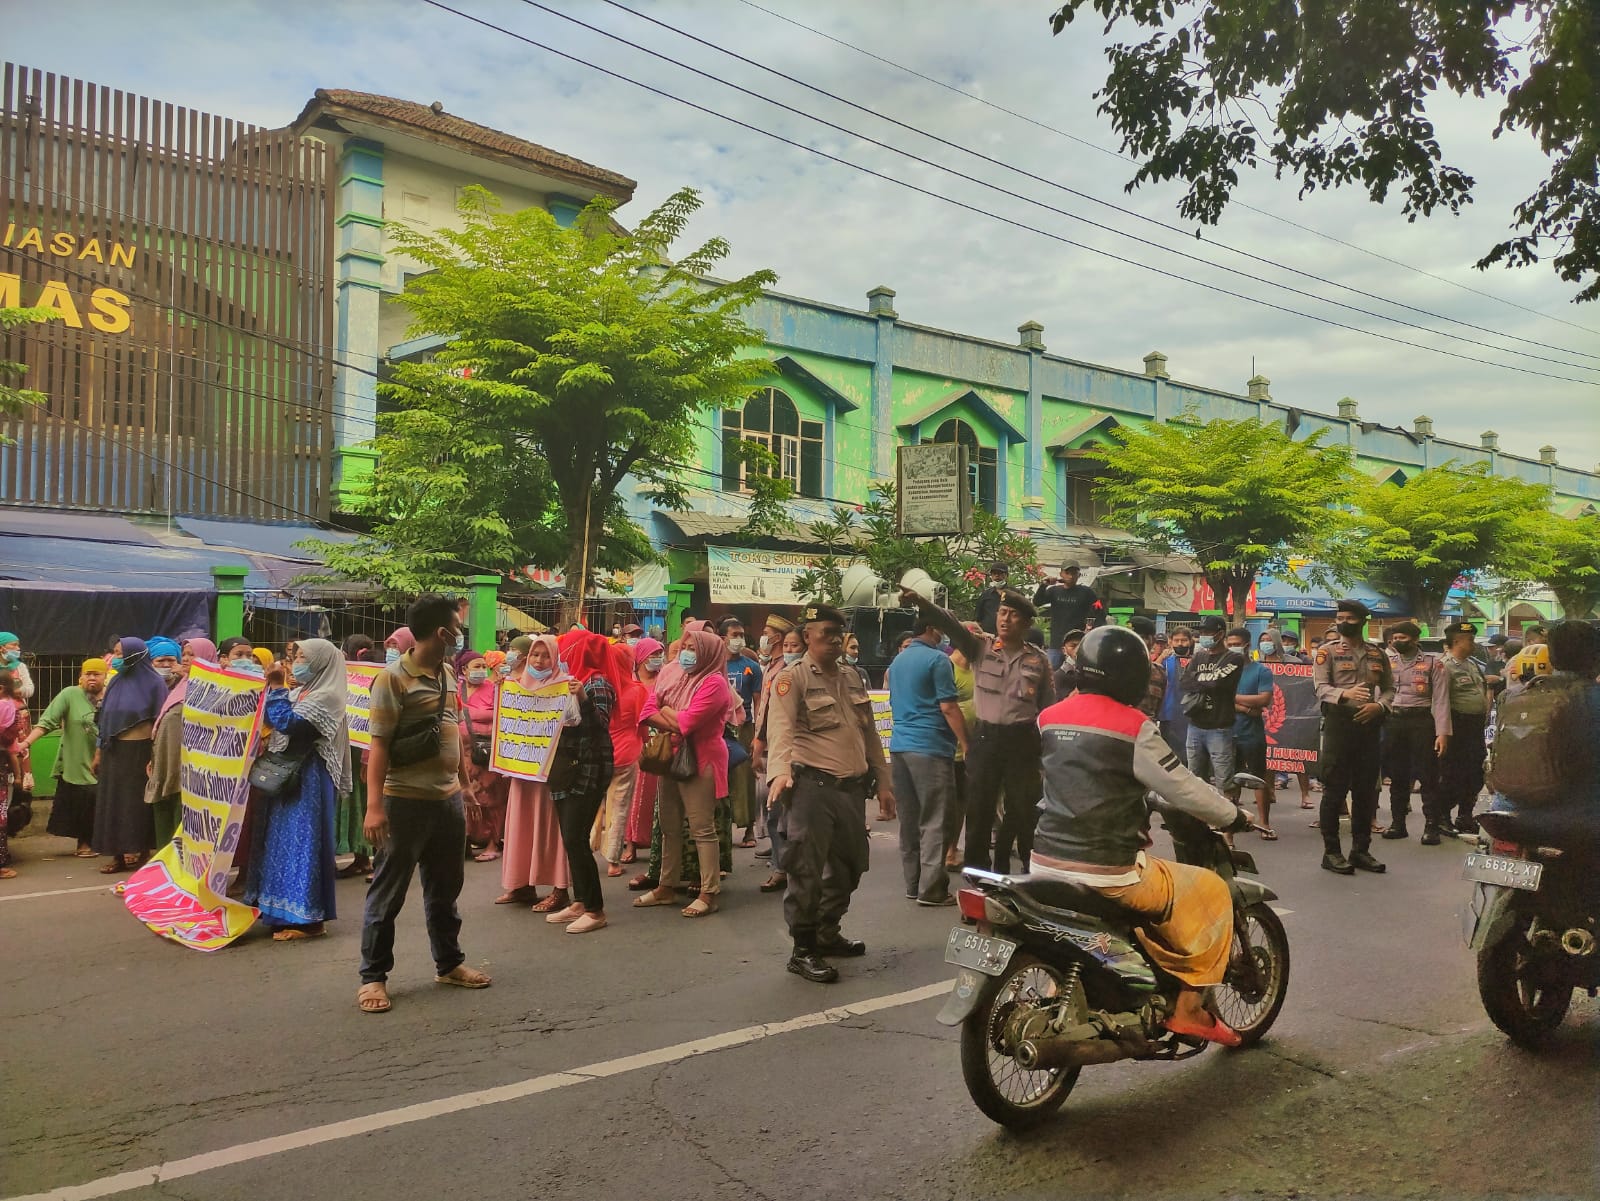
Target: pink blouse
(702,720)
(626,745)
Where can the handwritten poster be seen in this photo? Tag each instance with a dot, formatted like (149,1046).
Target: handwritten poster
(527,727)
(179,894)
(882,717)
(358,701)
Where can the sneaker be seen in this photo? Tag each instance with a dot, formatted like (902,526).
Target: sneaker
(562,917)
(586,922)
(937,902)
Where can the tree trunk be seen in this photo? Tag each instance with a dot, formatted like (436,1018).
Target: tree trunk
(1426,607)
(1576,605)
(1232,588)
(585,513)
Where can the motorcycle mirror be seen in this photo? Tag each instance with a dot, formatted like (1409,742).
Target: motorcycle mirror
(1244,779)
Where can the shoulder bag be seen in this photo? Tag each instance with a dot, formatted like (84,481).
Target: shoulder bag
(418,741)
(656,757)
(277,773)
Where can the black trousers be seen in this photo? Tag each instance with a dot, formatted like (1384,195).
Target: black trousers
(425,836)
(1002,759)
(1350,762)
(1410,737)
(1461,767)
(575,815)
(825,854)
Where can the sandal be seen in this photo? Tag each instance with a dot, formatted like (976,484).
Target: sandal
(700,907)
(487,856)
(464,977)
(613,870)
(776,882)
(641,882)
(1268,835)
(296,933)
(554,903)
(115,866)
(86,853)
(518,896)
(373,998)
(629,856)
(654,898)
(748,843)
(1305,804)
(8,873)
(351,870)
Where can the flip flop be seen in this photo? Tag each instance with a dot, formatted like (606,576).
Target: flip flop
(486,856)
(112,869)
(86,853)
(629,856)
(776,882)
(477,980)
(749,843)
(292,934)
(378,993)
(1268,835)
(8,873)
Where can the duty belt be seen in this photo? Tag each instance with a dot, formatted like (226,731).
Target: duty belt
(1410,711)
(833,781)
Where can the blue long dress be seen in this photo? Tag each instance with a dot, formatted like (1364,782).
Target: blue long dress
(292,869)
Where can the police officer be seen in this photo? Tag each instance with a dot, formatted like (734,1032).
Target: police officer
(1461,767)
(1356,688)
(1010,688)
(823,753)
(1418,730)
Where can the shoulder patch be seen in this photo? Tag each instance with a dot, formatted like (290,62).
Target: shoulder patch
(1322,657)
(783,685)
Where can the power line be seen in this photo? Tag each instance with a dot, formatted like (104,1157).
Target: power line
(1072,137)
(1026,174)
(1329,321)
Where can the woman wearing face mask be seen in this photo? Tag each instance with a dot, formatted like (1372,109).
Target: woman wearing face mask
(585,757)
(626,746)
(851,659)
(649,657)
(292,870)
(348,836)
(11,660)
(14,760)
(397,644)
(534,855)
(124,826)
(162,791)
(692,700)
(486,801)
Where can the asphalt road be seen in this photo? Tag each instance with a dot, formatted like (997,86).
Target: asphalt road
(669,1058)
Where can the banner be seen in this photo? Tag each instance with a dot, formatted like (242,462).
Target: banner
(527,728)
(739,576)
(933,496)
(882,717)
(1293,720)
(358,701)
(180,893)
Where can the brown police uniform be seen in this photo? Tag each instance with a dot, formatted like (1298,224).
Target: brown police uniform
(1351,752)
(1421,713)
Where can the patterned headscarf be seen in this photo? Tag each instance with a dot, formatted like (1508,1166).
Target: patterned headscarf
(321,700)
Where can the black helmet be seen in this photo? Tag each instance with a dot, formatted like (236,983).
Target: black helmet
(1113,661)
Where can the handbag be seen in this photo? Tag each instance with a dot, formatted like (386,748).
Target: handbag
(656,757)
(737,755)
(277,772)
(480,749)
(418,741)
(19,814)
(684,765)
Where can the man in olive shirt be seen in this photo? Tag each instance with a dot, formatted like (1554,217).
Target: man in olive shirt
(1461,765)
(414,816)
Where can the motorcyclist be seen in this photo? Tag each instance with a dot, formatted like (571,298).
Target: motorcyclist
(1101,756)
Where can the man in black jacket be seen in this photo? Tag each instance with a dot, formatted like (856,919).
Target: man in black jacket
(1070,606)
(989,598)
(1209,684)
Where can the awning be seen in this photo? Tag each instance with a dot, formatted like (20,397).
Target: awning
(280,538)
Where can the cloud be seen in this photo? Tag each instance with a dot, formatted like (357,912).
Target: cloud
(832,233)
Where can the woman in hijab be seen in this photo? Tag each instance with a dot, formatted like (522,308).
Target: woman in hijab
(349,837)
(486,799)
(397,644)
(649,657)
(579,790)
(14,759)
(626,746)
(162,791)
(533,854)
(73,713)
(292,869)
(124,826)
(691,700)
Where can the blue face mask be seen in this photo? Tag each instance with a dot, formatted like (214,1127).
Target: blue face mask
(688,659)
(247,667)
(793,657)
(301,672)
(391,655)
(539,673)
(1205,642)
(13,657)
(1269,648)
(118,662)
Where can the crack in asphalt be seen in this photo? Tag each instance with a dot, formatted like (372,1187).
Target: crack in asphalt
(1351,1017)
(701,1150)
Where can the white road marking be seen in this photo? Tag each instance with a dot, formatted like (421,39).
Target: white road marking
(387,1119)
(59,892)
(1281,912)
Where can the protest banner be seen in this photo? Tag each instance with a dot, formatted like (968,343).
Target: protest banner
(527,729)
(358,702)
(1293,720)
(882,717)
(180,893)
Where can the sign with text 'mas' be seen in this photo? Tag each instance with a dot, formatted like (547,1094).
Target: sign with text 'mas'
(932,491)
(180,893)
(527,729)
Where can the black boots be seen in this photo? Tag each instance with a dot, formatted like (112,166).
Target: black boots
(1363,859)
(1333,861)
(808,965)
(840,947)
(1396,830)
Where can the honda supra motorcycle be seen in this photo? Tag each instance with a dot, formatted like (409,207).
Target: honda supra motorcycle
(1053,978)
(1534,916)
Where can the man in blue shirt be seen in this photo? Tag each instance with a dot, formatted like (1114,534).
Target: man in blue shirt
(1250,702)
(928,728)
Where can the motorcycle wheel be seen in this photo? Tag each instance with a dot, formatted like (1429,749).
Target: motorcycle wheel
(1526,1011)
(1251,1006)
(1006,1093)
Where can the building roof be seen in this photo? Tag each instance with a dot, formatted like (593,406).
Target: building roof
(433,122)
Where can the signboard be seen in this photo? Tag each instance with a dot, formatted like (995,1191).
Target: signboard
(1170,591)
(180,893)
(358,701)
(882,717)
(1293,719)
(527,728)
(739,576)
(933,493)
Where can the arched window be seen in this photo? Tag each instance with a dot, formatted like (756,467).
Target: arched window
(770,420)
(982,461)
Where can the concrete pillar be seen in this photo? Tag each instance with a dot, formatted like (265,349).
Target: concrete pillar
(1031,339)
(1155,365)
(880,304)
(482,595)
(357,295)
(230,601)
(1423,428)
(679,598)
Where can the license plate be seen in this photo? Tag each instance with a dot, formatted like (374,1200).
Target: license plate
(1509,873)
(981,952)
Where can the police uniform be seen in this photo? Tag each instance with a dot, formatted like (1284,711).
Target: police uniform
(1421,714)
(820,732)
(1350,750)
(1461,768)
(1010,688)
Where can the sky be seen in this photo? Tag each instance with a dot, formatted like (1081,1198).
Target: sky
(831,232)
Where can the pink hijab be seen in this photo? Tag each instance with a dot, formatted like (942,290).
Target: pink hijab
(402,640)
(552,644)
(675,687)
(205,651)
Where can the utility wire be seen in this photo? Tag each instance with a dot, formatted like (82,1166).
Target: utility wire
(1071,191)
(887,178)
(1095,146)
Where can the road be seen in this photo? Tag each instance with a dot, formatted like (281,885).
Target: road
(668,1058)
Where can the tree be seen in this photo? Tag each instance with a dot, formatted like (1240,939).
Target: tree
(575,357)
(1570,550)
(1239,497)
(13,398)
(1417,539)
(1341,87)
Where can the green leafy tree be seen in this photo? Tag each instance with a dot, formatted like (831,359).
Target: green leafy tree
(1239,497)
(1569,549)
(1415,540)
(575,357)
(14,398)
(1335,93)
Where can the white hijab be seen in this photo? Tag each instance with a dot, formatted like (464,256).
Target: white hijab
(322,702)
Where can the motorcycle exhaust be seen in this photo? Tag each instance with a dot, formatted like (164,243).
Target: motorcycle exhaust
(1053,1053)
(1578,942)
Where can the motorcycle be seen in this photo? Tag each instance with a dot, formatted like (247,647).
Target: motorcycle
(1052,978)
(1533,916)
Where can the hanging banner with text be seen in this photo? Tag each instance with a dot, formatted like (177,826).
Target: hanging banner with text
(882,717)
(358,701)
(527,729)
(1293,720)
(932,494)
(740,576)
(180,893)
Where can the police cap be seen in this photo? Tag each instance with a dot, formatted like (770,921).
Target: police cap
(999,568)
(822,613)
(1351,605)
(1496,639)
(1019,603)
(1460,627)
(1409,628)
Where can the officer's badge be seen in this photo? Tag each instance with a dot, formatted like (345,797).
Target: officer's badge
(783,685)
(1322,657)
